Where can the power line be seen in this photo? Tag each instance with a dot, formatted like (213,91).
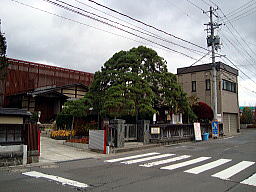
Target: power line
(245,14)
(84,24)
(240,69)
(238,35)
(186,68)
(148,25)
(237,10)
(106,23)
(196,6)
(239,52)
(142,32)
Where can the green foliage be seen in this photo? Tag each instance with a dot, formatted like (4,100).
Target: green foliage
(78,108)
(132,83)
(34,117)
(3,60)
(247,116)
(136,82)
(3,45)
(64,121)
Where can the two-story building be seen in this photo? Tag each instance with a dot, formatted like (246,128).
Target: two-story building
(197,81)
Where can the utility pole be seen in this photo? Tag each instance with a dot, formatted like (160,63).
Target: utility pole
(213,42)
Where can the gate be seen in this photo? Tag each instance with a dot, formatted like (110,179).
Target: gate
(130,132)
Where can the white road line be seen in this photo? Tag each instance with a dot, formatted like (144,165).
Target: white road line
(207,166)
(229,172)
(146,159)
(186,163)
(131,157)
(165,161)
(56,178)
(250,181)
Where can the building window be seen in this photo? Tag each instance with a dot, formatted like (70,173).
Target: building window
(229,86)
(10,134)
(207,84)
(193,86)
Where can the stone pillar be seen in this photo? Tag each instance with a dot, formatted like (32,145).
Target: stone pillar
(118,125)
(25,154)
(144,125)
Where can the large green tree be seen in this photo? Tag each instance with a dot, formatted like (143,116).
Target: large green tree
(3,60)
(247,116)
(136,83)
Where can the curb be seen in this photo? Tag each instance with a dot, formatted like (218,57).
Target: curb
(121,150)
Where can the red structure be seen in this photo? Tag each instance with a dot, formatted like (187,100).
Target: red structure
(24,76)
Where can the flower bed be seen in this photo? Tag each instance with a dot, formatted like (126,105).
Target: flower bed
(84,140)
(62,134)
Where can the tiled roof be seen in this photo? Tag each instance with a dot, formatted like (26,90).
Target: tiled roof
(14,111)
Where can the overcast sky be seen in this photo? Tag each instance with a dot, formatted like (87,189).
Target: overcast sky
(85,44)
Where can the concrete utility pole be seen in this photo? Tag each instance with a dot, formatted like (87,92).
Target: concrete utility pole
(213,42)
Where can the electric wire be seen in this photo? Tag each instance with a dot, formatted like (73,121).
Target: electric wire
(240,53)
(148,25)
(142,32)
(245,14)
(237,10)
(116,27)
(84,24)
(239,36)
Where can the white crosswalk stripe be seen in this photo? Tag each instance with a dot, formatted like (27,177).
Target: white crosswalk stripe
(165,161)
(205,167)
(250,181)
(147,159)
(225,174)
(229,172)
(186,163)
(131,157)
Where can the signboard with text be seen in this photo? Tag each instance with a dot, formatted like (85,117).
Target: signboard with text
(197,130)
(215,128)
(155,130)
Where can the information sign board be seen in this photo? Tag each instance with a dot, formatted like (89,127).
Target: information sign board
(155,130)
(215,128)
(197,130)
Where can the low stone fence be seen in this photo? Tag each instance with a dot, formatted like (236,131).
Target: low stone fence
(170,133)
(11,155)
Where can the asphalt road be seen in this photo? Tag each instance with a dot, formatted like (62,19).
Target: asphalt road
(225,165)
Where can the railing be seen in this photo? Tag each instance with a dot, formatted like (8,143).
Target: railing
(130,132)
(178,132)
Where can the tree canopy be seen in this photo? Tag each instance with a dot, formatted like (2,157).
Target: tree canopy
(203,112)
(247,116)
(136,82)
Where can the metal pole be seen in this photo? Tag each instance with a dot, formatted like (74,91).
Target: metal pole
(213,67)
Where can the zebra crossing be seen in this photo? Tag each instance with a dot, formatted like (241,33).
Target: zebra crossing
(172,161)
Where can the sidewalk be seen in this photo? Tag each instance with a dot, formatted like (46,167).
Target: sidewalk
(54,151)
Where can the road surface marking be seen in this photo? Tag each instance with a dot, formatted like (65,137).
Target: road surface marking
(146,159)
(229,172)
(228,137)
(165,161)
(131,157)
(207,166)
(186,163)
(250,181)
(56,178)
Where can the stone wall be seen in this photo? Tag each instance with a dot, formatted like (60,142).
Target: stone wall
(11,155)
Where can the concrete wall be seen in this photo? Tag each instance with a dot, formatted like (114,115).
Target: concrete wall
(11,155)
(229,100)
(11,120)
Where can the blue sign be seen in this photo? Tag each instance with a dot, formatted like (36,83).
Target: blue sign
(215,128)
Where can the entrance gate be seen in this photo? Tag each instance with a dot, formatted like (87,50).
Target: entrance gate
(130,132)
